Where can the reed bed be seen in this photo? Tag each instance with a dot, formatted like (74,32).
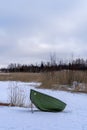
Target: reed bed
(62,80)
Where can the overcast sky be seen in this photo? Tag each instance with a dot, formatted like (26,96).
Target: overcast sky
(31,30)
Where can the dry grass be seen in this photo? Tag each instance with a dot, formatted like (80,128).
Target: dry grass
(63,80)
(25,77)
(52,80)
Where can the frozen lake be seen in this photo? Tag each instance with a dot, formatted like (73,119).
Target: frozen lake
(74,117)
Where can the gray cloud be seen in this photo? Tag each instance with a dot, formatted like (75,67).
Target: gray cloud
(31,30)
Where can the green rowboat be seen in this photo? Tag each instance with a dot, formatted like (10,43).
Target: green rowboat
(45,102)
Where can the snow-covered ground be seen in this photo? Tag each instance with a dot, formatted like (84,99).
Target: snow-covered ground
(74,117)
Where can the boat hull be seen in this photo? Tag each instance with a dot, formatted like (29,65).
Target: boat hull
(45,102)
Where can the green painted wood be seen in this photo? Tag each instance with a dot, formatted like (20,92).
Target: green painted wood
(45,102)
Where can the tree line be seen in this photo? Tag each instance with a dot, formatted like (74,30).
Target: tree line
(77,64)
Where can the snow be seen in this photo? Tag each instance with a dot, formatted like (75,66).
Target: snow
(74,117)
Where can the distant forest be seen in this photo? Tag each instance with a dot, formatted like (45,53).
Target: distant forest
(77,64)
